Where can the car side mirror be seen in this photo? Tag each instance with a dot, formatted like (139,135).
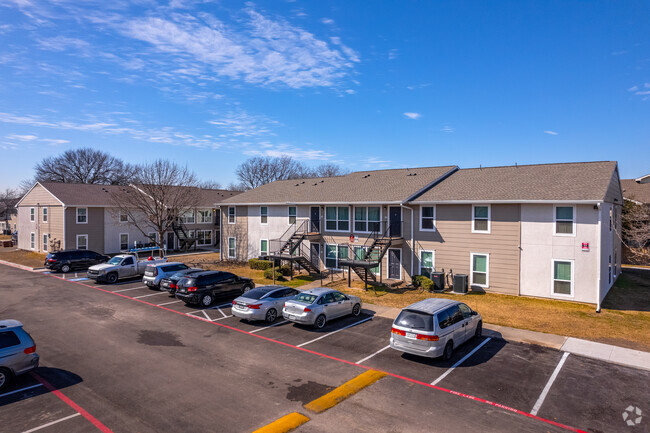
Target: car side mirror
(474,313)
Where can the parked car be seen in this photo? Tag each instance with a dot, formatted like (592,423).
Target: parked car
(317,306)
(66,261)
(170,283)
(17,351)
(434,328)
(203,288)
(121,266)
(155,272)
(262,303)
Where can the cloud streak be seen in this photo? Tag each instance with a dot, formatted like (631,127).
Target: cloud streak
(412,116)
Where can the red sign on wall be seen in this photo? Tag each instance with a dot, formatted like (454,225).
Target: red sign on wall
(585,246)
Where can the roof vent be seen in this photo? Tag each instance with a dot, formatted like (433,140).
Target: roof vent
(297,184)
(315,184)
(322,181)
(412,174)
(302,181)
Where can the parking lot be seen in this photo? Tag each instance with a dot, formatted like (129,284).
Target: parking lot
(128,358)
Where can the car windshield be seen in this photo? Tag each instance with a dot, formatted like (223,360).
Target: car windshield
(305,298)
(255,294)
(115,261)
(415,320)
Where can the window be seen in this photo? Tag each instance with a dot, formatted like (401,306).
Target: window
(337,219)
(204,237)
(334,253)
(610,270)
(82,215)
(44,214)
(128,261)
(188,217)
(564,220)
(232,248)
(360,254)
(8,339)
(426,263)
(615,263)
(480,270)
(124,241)
(205,216)
(152,237)
(610,219)
(46,237)
(264,247)
(32,240)
(264,215)
(563,277)
(231,215)
(82,242)
(428,218)
(124,217)
(32,214)
(367,219)
(480,219)
(292,215)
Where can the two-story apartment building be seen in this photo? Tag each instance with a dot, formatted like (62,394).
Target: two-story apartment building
(549,230)
(55,216)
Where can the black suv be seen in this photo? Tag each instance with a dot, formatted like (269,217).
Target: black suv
(170,283)
(65,261)
(204,287)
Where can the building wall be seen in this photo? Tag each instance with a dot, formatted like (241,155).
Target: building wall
(40,198)
(611,247)
(277,225)
(113,228)
(94,228)
(238,230)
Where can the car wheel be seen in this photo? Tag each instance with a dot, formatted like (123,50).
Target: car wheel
(479,330)
(206,300)
(247,288)
(111,278)
(5,378)
(65,269)
(271,315)
(356,310)
(449,351)
(320,322)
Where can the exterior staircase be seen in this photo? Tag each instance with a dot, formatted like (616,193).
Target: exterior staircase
(291,246)
(185,242)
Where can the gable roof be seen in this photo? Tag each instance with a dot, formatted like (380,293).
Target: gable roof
(571,182)
(643,179)
(636,191)
(378,186)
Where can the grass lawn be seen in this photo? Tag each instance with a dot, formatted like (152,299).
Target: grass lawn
(5,237)
(22,257)
(624,319)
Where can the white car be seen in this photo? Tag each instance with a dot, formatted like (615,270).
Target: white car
(317,306)
(155,272)
(262,303)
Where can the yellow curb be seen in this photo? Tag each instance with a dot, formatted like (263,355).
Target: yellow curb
(284,424)
(344,391)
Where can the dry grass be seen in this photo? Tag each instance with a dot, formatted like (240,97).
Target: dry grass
(5,237)
(22,257)
(624,319)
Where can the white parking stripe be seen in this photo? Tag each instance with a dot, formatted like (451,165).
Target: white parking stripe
(270,326)
(21,390)
(221,318)
(126,290)
(443,375)
(368,357)
(547,388)
(52,423)
(338,330)
(153,294)
(167,303)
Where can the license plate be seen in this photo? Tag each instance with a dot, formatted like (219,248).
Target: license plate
(291,316)
(411,335)
(240,307)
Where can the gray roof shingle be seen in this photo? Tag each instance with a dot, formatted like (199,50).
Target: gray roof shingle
(633,190)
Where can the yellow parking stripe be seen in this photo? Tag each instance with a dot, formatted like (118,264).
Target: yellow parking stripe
(344,391)
(284,424)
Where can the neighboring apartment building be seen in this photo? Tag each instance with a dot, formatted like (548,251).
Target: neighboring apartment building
(540,230)
(55,216)
(637,190)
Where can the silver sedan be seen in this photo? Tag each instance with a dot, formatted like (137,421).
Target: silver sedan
(262,303)
(317,306)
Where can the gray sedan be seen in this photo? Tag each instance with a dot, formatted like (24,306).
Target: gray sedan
(262,303)
(317,306)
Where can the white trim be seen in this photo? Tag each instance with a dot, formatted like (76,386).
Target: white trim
(45,214)
(30,190)
(32,240)
(367,221)
(289,215)
(573,229)
(401,271)
(228,247)
(120,241)
(266,215)
(267,246)
(506,202)
(234,215)
(32,214)
(311,203)
(487,270)
(560,295)
(325,229)
(434,219)
(184,217)
(77,215)
(196,235)
(198,212)
(79,236)
(489,219)
(64,240)
(433,260)
(45,237)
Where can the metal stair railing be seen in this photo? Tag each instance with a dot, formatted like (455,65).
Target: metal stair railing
(291,238)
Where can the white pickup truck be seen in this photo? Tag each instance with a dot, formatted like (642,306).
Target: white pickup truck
(121,266)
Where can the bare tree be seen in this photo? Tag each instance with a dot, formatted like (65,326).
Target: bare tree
(636,231)
(8,200)
(261,170)
(85,165)
(160,193)
(210,184)
(329,170)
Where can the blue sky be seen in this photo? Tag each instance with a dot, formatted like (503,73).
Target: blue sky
(363,84)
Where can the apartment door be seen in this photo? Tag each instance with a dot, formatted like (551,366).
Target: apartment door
(315,255)
(395,221)
(170,241)
(315,219)
(394,264)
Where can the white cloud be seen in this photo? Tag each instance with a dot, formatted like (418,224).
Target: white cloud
(550,132)
(448,129)
(633,89)
(62,43)
(242,124)
(418,86)
(21,137)
(292,151)
(393,53)
(327,21)
(413,116)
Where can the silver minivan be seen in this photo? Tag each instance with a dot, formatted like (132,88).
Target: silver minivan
(434,327)
(17,351)
(155,272)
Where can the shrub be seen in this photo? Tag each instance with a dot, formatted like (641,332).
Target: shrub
(261,265)
(285,270)
(268,274)
(423,282)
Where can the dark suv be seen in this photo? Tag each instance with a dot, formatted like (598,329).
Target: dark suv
(204,287)
(65,261)
(170,283)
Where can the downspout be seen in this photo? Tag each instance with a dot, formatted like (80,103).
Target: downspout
(221,228)
(63,240)
(412,246)
(600,252)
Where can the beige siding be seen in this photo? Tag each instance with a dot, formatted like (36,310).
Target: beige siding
(239,231)
(39,195)
(39,198)
(94,228)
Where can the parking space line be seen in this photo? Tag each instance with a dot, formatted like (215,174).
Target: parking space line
(334,332)
(270,326)
(368,357)
(206,315)
(152,294)
(221,318)
(443,375)
(21,390)
(547,388)
(52,423)
(123,290)
(284,424)
(344,391)
(168,303)
(222,313)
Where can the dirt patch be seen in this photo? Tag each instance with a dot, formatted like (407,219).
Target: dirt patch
(22,257)
(307,392)
(159,338)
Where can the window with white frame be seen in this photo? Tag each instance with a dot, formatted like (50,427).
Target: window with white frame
(610,269)
(337,218)
(481,219)
(360,254)
(232,248)
(264,247)
(82,242)
(367,219)
(204,216)
(480,275)
(124,216)
(124,241)
(427,267)
(610,219)
(333,254)
(32,240)
(44,214)
(32,214)
(428,218)
(563,277)
(293,213)
(188,217)
(46,238)
(264,215)
(565,220)
(82,215)
(232,214)
(204,237)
